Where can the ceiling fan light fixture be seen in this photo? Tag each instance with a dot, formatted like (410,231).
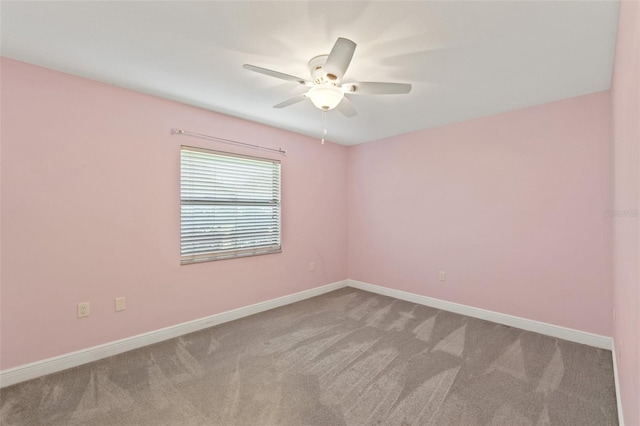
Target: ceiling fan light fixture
(325,96)
(326,88)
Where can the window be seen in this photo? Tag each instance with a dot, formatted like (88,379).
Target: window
(229,205)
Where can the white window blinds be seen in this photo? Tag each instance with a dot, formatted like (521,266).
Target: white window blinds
(229,205)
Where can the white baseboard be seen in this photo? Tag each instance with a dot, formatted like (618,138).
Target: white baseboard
(52,365)
(617,383)
(569,334)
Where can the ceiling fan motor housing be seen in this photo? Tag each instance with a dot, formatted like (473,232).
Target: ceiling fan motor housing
(318,73)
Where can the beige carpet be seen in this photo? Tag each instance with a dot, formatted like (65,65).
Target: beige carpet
(345,358)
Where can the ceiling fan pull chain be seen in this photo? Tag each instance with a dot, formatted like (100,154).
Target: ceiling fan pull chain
(324,126)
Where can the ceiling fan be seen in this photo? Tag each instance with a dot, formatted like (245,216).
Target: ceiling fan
(327,91)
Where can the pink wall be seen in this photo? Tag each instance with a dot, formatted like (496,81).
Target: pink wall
(510,206)
(90,212)
(626,135)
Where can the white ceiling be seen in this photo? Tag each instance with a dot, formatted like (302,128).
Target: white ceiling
(464,59)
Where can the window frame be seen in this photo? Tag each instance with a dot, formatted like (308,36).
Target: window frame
(189,257)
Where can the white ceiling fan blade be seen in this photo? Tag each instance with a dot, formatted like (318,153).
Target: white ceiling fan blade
(376,88)
(277,74)
(291,101)
(339,58)
(346,108)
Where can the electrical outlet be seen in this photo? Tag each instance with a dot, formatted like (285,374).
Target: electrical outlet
(442,276)
(120,303)
(83,309)
(312,266)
